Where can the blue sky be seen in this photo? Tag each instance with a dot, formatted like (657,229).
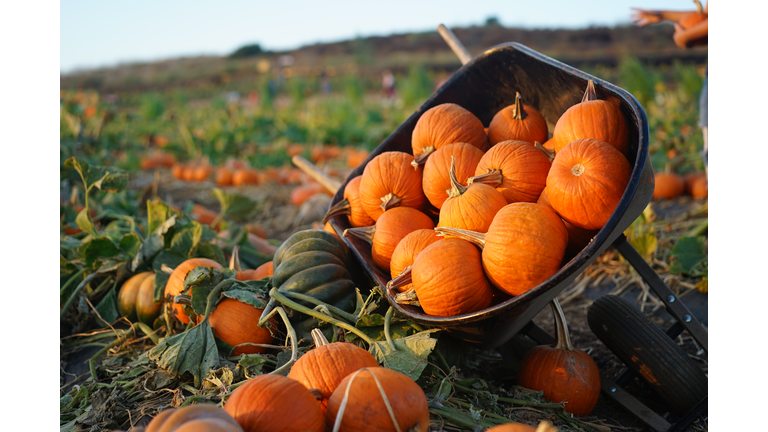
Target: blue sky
(102,33)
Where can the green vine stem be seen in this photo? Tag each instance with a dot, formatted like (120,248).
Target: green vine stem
(214,294)
(74,294)
(291,335)
(468,405)
(387,323)
(458,419)
(71,281)
(120,339)
(101,286)
(299,296)
(517,402)
(278,296)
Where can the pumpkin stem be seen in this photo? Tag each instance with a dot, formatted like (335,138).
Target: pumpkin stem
(456,188)
(562,340)
(549,153)
(590,94)
(422,158)
(519,112)
(165,269)
(318,337)
(403,279)
(234,262)
(341,208)
(545,426)
(316,393)
(364,233)
(183,299)
(492,178)
(470,236)
(699,7)
(578,170)
(389,201)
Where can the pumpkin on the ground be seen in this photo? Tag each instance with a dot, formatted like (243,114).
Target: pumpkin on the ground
(236,323)
(174,419)
(175,284)
(668,185)
(135,300)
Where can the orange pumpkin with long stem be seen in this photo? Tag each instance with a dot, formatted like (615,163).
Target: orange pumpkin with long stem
(518,122)
(524,246)
(447,278)
(592,118)
(325,366)
(470,208)
(275,403)
(175,284)
(391,227)
(389,181)
(436,181)
(517,169)
(408,249)
(445,124)
(351,206)
(562,372)
(586,182)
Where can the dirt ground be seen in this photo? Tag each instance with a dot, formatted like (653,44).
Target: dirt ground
(281,218)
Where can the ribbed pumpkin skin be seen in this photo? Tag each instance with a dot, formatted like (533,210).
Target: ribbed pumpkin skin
(668,186)
(447,123)
(390,172)
(126,298)
(562,375)
(449,280)
(208,425)
(175,283)
(505,127)
(436,182)
(358,217)
(473,210)
(260,272)
(391,227)
(586,182)
(512,427)
(578,238)
(324,367)
(275,403)
(365,409)
(235,323)
(524,169)
(171,419)
(596,119)
(146,307)
(524,246)
(408,249)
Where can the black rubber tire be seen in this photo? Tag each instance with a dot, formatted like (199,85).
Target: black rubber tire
(647,350)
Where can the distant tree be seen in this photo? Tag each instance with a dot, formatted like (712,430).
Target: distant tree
(492,21)
(248,51)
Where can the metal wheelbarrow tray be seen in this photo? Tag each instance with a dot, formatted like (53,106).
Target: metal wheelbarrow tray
(485,85)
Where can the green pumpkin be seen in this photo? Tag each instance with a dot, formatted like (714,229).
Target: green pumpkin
(135,300)
(313,262)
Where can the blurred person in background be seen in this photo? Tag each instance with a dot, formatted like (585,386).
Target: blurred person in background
(691,29)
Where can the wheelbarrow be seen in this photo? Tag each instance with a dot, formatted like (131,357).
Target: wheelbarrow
(484,85)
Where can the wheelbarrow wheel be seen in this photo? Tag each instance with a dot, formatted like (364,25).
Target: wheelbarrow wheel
(647,350)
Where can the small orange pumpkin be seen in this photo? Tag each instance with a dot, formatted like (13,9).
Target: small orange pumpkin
(173,419)
(578,238)
(436,181)
(223,176)
(408,249)
(517,169)
(351,206)
(518,122)
(244,176)
(445,124)
(263,271)
(136,299)
(389,181)
(235,323)
(470,208)
(175,284)
(668,186)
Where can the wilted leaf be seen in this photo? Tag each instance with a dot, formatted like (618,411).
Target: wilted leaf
(192,351)
(411,355)
(83,221)
(110,179)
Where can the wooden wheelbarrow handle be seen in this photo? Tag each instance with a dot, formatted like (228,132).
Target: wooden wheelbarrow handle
(316,173)
(455,44)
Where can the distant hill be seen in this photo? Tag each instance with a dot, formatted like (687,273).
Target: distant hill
(367,56)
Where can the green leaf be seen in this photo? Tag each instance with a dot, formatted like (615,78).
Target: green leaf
(130,244)
(688,256)
(250,364)
(186,238)
(84,222)
(235,206)
(248,297)
(192,351)
(97,248)
(153,244)
(110,179)
(200,281)
(157,214)
(170,259)
(411,355)
(210,251)
(107,308)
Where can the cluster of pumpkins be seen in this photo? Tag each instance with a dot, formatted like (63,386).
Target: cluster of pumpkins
(670,185)
(509,210)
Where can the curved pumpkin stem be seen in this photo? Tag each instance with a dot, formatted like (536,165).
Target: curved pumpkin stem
(165,269)
(389,201)
(456,188)
(234,262)
(470,236)
(519,112)
(562,340)
(318,338)
(403,279)
(422,158)
(590,93)
(699,7)
(545,426)
(341,208)
(492,178)
(547,152)
(364,233)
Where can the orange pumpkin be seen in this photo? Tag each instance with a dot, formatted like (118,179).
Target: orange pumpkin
(275,403)
(470,208)
(445,124)
(204,215)
(699,187)
(325,366)
(391,227)
(389,181)
(408,249)
(692,18)
(177,171)
(235,323)
(668,186)
(544,426)
(356,157)
(524,246)
(202,172)
(188,172)
(593,119)
(517,169)
(244,176)
(518,122)
(578,238)
(436,181)
(175,284)
(300,194)
(351,206)
(562,372)
(172,419)
(586,182)
(223,176)
(263,271)
(363,400)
